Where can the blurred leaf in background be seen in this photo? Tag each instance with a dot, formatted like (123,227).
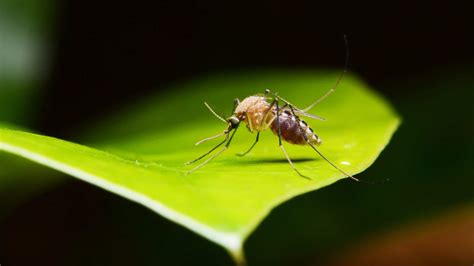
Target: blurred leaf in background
(25,30)
(25,34)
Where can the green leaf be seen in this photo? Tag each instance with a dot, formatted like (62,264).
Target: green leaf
(143,157)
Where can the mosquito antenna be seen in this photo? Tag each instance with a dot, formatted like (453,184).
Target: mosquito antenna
(209,138)
(341,76)
(214,113)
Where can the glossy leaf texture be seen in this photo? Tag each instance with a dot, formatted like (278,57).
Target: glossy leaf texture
(139,154)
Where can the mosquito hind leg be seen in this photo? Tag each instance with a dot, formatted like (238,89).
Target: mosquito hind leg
(291,163)
(277,97)
(339,79)
(317,151)
(281,145)
(251,147)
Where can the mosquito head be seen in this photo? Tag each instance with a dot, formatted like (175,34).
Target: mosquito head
(233,122)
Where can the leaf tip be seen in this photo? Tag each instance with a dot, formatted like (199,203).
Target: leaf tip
(235,248)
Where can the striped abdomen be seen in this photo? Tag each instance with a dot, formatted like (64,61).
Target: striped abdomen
(293,133)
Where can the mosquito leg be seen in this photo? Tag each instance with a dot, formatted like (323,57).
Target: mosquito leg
(339,79)
(236,103)
(297,110)
(215,155)
(314,148)
(281,145)
(249,120)
(205,154)
(331,163)
(264,120)
(322,97)
(210,138)
(251,147)
(277,97)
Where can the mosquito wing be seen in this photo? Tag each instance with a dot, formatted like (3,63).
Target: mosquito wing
(303,113)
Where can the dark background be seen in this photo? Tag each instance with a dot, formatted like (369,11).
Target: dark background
(107,54)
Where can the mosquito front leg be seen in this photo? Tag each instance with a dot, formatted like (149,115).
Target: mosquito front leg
(216,154)
(251,147)
(207,153)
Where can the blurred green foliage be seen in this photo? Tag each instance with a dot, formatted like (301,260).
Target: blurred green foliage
(25,33)
(25,29)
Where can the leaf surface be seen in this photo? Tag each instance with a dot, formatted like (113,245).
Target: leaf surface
(140,153)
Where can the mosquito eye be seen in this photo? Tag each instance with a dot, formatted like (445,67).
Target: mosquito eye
(234,120)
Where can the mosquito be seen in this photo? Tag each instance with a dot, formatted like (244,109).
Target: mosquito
(263,111)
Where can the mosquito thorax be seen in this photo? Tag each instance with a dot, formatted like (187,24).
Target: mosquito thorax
(252,111)
(252,104)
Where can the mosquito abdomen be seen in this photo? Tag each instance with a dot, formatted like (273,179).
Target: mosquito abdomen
(293,133)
